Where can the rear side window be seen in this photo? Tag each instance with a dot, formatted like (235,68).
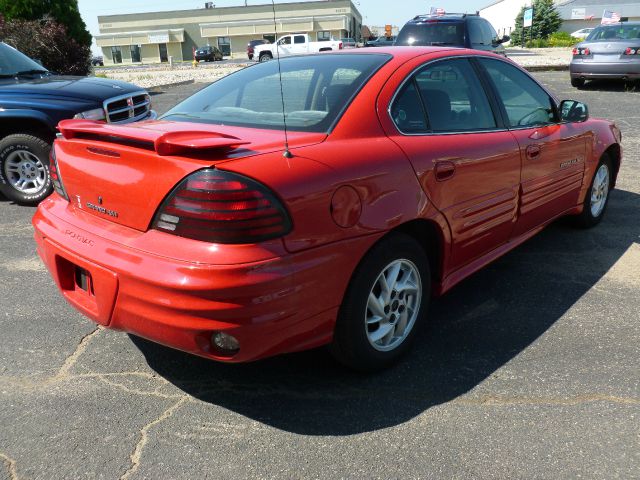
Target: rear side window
(432,32)
(298,39)
(450,94)
(525,102)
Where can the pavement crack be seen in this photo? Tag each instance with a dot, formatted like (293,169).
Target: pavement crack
(11,466)
(72,359)
(560,401)
(136,455)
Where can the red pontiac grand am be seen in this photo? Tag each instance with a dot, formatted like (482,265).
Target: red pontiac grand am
(407,169)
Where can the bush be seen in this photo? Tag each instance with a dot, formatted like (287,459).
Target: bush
(47,41)
(562,39)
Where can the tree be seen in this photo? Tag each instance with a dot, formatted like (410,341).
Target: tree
(63,11)
(546,20)
(47,41)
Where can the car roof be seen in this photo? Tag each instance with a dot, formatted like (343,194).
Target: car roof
(419,19)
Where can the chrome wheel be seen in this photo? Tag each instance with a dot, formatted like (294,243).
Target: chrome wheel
(393,305)
(600,190)
(25,172)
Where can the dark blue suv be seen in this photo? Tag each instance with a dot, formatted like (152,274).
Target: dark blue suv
(454,29)
(33,101)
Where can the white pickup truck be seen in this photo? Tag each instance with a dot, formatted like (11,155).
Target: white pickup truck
(296,44)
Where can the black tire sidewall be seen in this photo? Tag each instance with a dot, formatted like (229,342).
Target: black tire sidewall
(35,145)
(351,345)
(586,218)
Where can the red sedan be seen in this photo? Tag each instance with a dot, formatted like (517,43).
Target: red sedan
(404,171)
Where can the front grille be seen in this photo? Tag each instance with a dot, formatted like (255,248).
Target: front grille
(127,108)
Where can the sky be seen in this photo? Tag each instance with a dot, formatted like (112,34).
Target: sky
(374,12)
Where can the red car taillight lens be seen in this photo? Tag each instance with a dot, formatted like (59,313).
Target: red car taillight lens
(581,51)
(222,207)
(54,173)
(632,51)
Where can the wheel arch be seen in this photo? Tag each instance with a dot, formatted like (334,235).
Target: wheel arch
(34,123)
(614,152)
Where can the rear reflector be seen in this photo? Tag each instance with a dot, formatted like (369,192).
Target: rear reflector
(222,207)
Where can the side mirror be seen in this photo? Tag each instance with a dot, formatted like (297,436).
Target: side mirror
(573,111)
(505,39)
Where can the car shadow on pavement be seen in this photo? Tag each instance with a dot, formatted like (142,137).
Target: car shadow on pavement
(473,331)
(611,86)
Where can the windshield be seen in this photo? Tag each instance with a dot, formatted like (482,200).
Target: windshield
(615,32)
(433,32)
(316,89)
(13,62)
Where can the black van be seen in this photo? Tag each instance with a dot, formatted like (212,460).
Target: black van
(454,29)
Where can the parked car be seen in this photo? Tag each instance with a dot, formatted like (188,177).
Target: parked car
(452,29)
(296,44)
(208,54)
(33,101)
(97,60)
(216,231)
(252,44)
(610,52)
(381,41)
(349,42)
(582,33)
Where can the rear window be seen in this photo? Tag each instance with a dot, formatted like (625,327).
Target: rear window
(316,89)
(433,32)
(615,32)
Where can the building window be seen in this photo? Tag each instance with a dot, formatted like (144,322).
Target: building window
(116,54)
(135,53)
(324,36)
(162,48)
(224,44)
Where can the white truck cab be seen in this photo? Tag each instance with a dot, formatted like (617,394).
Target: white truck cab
(295,44)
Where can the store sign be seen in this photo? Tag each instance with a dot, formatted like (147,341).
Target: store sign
(578,13)
(158,38)
(528,17)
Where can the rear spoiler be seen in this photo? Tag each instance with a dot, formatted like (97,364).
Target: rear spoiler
(164,143)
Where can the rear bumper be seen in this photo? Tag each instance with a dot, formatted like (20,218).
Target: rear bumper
(591,70)
(285,303)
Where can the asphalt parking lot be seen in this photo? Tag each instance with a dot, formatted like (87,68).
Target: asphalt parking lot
(529,369)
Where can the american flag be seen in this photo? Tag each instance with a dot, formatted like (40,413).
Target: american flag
(436,11)
(610,17)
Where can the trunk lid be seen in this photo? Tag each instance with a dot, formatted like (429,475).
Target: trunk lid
(122,173)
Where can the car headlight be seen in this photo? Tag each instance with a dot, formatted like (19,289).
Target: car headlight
(95,114)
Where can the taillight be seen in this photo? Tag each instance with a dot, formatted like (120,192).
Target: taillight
(54,173)
(581,51)
(222,207)
(632,51)
(340,46)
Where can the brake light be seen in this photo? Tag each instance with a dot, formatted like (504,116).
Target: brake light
(632,51)
(222,207)
(54,173)
(340,46)
(581,51)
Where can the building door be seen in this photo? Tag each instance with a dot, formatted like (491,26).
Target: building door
(224,44)
(135,53)
(164,57)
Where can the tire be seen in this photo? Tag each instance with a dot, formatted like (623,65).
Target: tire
(577,82)
(359,339)
(597,198)
(265,57)
(24,168)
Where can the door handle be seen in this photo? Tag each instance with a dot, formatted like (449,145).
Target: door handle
(533,151)
(445,170)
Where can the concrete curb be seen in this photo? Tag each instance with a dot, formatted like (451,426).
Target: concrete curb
(158,88)
(546,68)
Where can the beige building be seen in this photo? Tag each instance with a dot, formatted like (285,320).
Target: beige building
(155,36)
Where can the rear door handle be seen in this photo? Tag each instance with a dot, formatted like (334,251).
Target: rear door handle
(445,170)
(533,151)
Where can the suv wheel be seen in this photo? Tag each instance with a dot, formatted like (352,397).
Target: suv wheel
(24,168)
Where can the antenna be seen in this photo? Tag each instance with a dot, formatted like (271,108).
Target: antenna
(287,153)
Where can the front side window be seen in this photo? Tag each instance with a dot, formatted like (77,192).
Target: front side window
(324,36)
(526,102)
(316,89)
(475,32)
(285,41)
(116,54)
